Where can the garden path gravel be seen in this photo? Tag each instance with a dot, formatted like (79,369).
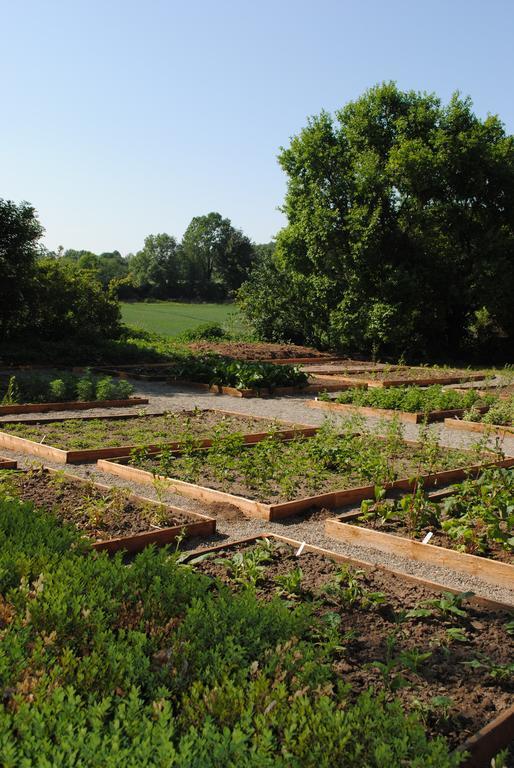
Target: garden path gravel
(165,397)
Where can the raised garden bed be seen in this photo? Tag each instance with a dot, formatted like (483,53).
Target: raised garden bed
(7,463)
(469,528)
(167,373)
(113,518)
(74,441)
(479,426)
(499,420)
(410,404)
(422,377)
(7,410)
(446,655)
(47,390)
(274,479)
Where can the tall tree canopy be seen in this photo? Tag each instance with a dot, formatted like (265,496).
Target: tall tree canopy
(156,267)
(20,232)
(400,234)
(217,257)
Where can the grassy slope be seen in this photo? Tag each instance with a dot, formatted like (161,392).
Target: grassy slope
(172,318)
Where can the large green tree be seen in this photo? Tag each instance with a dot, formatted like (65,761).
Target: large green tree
(156,268)
(400,234)
(20,232)
(216,256)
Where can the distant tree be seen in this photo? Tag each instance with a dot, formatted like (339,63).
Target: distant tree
(20,231)
(217,257)
(400,233)
(156,268)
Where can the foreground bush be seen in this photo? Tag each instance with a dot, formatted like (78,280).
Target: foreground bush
(149,665)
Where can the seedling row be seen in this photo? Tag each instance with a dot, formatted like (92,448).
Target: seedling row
(469,527)
(273,478)
(410,404)
(52,390)
(111,518)
(88,439)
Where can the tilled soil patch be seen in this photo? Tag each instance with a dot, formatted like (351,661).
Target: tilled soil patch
(240,350)
(102,515)
(452,668)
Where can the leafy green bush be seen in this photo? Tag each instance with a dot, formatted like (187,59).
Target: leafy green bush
(413,399)
(501,413)
(205,332)
(46,387)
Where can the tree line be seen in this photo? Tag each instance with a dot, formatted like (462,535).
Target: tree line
(210,263)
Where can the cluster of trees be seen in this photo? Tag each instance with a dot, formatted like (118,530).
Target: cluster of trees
(400,233)
(210,263)
(42,297)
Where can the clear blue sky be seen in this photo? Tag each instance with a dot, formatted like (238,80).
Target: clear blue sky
(123,118)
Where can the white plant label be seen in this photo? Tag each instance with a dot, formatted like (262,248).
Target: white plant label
(427,537)
(300,549)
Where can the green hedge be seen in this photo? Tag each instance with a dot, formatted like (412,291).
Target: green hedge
(104,664)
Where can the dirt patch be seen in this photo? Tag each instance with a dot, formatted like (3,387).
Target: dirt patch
(460,686)
(102,515)
(415,374)
(240,350)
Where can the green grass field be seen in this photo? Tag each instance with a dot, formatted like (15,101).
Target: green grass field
(171,318)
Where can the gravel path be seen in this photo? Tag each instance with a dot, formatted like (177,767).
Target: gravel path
(165,397)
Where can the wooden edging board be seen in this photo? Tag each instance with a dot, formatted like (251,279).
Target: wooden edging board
(263,511)
(8,463)
(82,405)
(489,740)
(492,571)
(417,417)
(477,426)
(85,456)
(200,525)
(421,381)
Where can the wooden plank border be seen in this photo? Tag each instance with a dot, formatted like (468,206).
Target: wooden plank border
(82,405)
(492,571)
(478,426)
(417,417)
(8,463)
(88,455)
(489,740)
(421,381)
(264,511)
(200,525)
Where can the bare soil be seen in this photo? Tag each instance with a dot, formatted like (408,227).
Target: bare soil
(413,374)
(370,633)
(241,350)
(102,515)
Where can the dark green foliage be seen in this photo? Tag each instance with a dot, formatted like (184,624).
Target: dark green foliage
(61,386)
(150,665)
(213,369)
(20,231)
(205,332)
(400,235)
(413,399)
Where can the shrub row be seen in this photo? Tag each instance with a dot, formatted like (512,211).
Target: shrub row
(62,386)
